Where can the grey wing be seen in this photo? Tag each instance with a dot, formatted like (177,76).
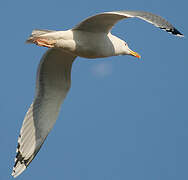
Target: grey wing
(53,83)
(105,21)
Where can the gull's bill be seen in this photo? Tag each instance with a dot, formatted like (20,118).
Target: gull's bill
(135,54)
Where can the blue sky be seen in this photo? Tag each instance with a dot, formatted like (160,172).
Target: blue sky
(123,118)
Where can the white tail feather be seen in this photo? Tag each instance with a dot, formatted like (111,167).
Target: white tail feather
(36,34)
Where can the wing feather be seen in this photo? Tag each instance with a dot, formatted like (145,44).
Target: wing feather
(104,22)
(53,83)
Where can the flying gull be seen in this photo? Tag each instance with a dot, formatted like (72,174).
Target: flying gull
(90,39)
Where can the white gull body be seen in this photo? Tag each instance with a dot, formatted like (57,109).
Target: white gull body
(90,39)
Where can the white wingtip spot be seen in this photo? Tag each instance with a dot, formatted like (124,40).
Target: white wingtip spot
(18,169)
(179,35)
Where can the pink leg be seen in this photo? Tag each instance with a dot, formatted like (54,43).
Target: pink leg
(44,42)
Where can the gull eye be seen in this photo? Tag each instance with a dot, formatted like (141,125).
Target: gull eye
(125,44)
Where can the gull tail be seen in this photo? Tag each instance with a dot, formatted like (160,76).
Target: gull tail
(36,34)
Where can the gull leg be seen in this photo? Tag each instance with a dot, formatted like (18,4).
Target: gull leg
(44,42)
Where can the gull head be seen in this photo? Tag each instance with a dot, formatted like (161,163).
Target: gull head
(128,51)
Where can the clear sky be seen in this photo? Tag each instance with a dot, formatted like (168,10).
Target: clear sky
(124,118)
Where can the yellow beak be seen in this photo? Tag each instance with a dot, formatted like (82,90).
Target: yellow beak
(132,53)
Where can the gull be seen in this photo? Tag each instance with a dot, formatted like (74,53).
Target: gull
(91,38)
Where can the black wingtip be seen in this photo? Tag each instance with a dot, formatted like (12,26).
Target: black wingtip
(173,31)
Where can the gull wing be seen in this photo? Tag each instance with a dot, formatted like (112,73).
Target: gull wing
(53,83)
(105,21)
